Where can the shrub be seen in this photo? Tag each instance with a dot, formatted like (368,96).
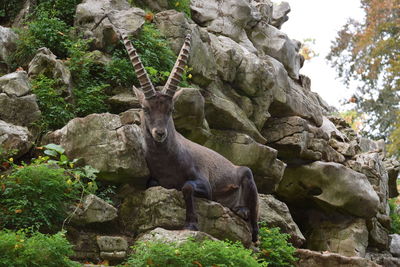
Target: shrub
(56,112)
(9,9)
(394,216)
(191,253)
(61,9)
(47,31)
(18,249)
(181,6)
(275,249)
(34,196)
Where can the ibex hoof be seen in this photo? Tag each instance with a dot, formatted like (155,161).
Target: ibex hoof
(191,226)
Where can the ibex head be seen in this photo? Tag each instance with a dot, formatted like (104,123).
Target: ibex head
(157,106)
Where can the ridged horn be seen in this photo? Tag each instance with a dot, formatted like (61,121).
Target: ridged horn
(177,72)
(145,83)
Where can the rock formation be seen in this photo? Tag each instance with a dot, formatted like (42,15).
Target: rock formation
(318,180)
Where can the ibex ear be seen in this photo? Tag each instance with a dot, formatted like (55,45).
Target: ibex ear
(139,95)
(176,95)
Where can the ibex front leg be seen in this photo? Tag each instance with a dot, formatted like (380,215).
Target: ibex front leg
(199,188)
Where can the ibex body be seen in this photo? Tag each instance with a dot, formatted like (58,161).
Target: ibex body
(176,162)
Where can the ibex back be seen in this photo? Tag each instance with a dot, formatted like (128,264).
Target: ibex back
(176,162)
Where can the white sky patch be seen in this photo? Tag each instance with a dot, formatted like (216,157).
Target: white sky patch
(321,20)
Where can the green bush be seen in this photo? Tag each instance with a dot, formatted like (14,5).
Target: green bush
(56,112)
(181,6)
(61,9)
(394,216)
(34,196)
(18,249)
(45,31)
(275,249)
(191,253)
(37,195)
(9,9)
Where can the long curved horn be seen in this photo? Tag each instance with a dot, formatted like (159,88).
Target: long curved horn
(145,83)
(176,73)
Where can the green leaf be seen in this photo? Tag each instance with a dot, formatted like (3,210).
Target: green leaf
(51,153)
(63,158)
(56,148)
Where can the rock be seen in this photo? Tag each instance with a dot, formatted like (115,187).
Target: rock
(122,102)
(112,247)
(270,41)
(276,214)
(85,245)
(8,43)
(297,102)
(91,21)
(244,151)
(175,26)
(93,210)
(308,258)
(19,110)
(15,84)
(18,106)
(173,236)
(265,7)
(378,235)
(156,5)
(384,258)
(46,63)
(14,140)
(279,14)
(228,18)
(394,245)
(230,117)
(329,185)
(298,140)
(345,236)
(189,117)
(160,207)
(393,167)
(101,141)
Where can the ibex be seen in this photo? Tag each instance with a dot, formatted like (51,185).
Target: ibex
(176,162)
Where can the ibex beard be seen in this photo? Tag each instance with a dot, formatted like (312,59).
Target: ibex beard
(176,162)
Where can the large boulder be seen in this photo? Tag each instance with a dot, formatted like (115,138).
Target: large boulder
(228,18)
(393,167)
(175,26)
(395,245)
(270,41)
(275,213)
(159,207)
(330,185)
(46,63)
(93,210)
(346,236)
(18,105)
(103,142)
(14,140)
(309,258)
(8,44)
(242,150)
(91,21)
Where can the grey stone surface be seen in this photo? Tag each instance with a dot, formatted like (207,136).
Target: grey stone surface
(8,43)
(173,236)
(160,207)
(103,142)
(15,140)
(330,185)
(279,13)
(394,245)
(276,214)
(15,84)
(93,210)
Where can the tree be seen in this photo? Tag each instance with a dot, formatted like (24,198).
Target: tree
(368,53)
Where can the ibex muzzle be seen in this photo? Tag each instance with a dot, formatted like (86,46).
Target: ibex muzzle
(176,162)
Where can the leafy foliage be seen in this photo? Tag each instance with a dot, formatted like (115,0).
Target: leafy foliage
(181,6)
(45,31)
(191,253)
(9,9)
(368,52)
(19,249)
(275,249)
(61,9)
(56,111)
(394,216)
(36,195)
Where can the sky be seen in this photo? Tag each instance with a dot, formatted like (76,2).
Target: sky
(322,20)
